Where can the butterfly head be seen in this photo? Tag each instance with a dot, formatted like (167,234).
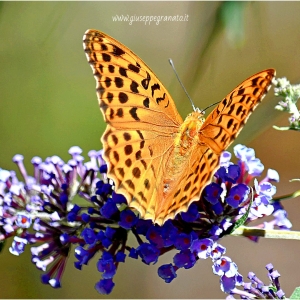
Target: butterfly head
(192,123)
(196,116)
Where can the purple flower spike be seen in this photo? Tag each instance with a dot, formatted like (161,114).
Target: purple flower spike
(89,236)
(280,293)
(83,257)
(217,251)
(234,172)
(275,274)
(23,220)
(127,219)
(118,198)
(192,213)
(120,256)
(229,174)
(269,267)
(40,213)
(218,208)
(257,289)
(230,283)
(183,241)
(266,189)
(148,253)
(55,283)
(225,266)
(105,286)
(243,153)
(212,193)
(109,209)
(281,219)
(103,169)
(167,272)
(185,259)
(106,242)
(225,158)
(255,167)
(133,253)
(237,195)
(154,236)
(202,248)
(227,283)
(106,266)
(75,150)
(272,175)
(110,232)
(169,233)
(143,226)
(18,246)
(4,175)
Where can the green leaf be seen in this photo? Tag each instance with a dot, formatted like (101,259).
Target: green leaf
(233,16)
(243,219)
(296,293)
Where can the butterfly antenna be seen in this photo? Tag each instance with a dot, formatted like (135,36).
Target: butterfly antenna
(210,106)
(172,65)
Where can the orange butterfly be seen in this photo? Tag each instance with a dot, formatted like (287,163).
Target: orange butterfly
(159,162)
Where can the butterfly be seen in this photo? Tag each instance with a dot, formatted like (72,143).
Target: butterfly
(159,162)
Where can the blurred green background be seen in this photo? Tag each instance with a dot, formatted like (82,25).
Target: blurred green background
(48,104)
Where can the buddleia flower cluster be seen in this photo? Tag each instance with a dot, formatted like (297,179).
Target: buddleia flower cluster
(290,95)
(71,208)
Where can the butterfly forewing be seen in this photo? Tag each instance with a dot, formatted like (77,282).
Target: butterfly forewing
(127,87)
(141,116)
(145,140)
(225,122)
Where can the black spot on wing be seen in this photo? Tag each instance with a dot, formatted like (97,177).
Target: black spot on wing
(229,123)
(159,99)
(107,82)
(111,68)
(128,149)
(154,87)
(117,51)
(120,113)
(123,72)
(145,82)
(109,97)
(133,113)
(123,98)
(146,102)
(106,57)
(134,87)
(133,68)
(119,82)
(127,136)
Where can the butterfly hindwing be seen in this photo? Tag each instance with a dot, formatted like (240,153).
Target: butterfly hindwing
(131,156)
(197,173)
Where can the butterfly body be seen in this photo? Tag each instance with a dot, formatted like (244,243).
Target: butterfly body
(189,131)
(159,162)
